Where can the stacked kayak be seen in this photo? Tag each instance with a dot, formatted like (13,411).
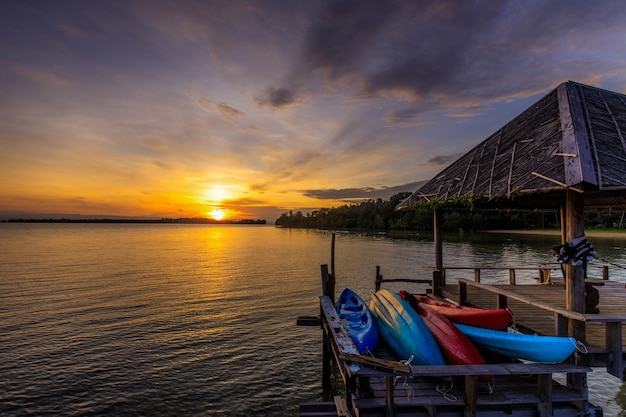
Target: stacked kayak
(530,347)
(456,347)
(496,319)
(420,328)
(404,331)
(358,320)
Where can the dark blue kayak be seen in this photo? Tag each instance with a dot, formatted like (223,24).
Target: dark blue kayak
(532,347)
(358,320)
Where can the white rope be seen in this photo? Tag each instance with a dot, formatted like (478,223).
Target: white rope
(446,391)
(491,385)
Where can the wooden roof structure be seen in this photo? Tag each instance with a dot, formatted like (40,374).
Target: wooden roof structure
(574,138)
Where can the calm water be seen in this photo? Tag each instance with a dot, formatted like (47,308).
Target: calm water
(199,320)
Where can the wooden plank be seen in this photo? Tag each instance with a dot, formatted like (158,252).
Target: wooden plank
(317,409)
(342,407)
(509,292)
(342,339)
(394,367)
(463,370)
(308,321)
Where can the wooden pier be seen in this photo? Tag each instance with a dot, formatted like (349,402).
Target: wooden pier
(381,385)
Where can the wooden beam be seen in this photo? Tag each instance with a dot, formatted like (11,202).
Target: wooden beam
(438,242)
(574,138)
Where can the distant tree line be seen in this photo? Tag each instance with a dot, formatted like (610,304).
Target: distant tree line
(192,220)
(382,215)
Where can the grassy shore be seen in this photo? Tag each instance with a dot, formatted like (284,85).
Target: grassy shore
(616,233)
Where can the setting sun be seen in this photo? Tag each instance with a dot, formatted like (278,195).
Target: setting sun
(217,214)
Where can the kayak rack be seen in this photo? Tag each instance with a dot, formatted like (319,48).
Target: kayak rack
(381,385)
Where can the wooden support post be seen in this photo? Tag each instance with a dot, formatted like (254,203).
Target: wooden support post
(328,287)
(561,325)
(438,279)
(379,279)
(328,283)
(389,387)
(615,364)
(501,302)
(512,276)
(471,391)
(544,407)
(462,293)
(332,262)
(476,275)
(562,215)
(575,276)
(605,272)
(438,242)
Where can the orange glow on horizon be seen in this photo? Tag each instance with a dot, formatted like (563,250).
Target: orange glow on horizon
(217,214)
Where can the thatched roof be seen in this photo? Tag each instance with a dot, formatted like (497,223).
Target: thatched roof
(574,137)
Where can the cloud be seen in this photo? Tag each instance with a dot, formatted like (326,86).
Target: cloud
(347,194)
(277,98)
(442,159)
(224,111)
(445,54)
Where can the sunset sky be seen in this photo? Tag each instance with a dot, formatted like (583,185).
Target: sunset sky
(252,108)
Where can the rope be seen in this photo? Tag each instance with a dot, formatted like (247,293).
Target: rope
(410,395)
(446,391)
(491,385)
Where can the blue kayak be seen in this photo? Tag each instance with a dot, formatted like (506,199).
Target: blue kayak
(403,329)
(358,320)
(536,348)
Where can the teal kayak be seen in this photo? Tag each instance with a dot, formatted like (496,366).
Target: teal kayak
(403,329)
(358,320)
(532,347)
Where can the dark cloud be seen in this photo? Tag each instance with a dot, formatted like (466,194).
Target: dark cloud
(445,53)
(364,193)
(442,159)
(277,98)
(342,32)
(401,117)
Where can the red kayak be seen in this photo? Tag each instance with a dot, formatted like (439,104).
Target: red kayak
(455,346)
(495,319)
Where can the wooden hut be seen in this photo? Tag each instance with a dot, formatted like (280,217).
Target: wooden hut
(566,151)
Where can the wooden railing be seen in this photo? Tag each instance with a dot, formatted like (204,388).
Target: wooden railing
(544,272)
(438,280)
(613,322)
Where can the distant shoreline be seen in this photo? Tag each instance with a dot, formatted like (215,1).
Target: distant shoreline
(621,234)
(134,221)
